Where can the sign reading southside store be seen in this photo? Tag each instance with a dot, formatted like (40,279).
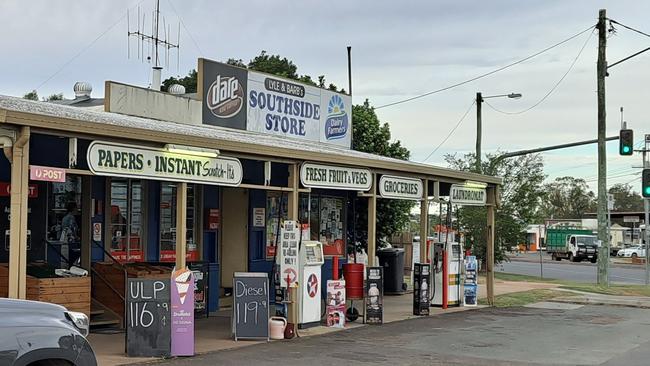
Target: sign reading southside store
(105,158)
(391,186)
(336,177)
(468,196)
(248,100)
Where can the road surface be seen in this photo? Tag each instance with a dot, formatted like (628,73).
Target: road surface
(548,334)
(579,272)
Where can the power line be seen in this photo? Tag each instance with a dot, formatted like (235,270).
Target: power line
(554,86)
(196,44)
(487,73)
(451,132)
(86,48)
(628,27)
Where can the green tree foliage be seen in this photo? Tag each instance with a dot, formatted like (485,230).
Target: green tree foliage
(32,95)
(521,194)
(568,198)
(625,199)
(189,82)
(52,97)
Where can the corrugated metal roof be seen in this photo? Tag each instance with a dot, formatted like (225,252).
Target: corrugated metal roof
(87,116)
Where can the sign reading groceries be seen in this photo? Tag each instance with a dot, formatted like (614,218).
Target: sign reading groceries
(238,98)
(468,196)
(391,186)
(105,158)
(336,177)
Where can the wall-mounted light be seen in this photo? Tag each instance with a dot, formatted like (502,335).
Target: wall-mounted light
(472,184)
(191,150)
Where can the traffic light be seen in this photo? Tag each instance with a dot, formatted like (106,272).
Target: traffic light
(626,142)
(645,183)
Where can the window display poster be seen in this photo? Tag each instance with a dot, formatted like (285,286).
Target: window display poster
(259,217)
(335,303)
(331,226)
(274,216)
(374,295)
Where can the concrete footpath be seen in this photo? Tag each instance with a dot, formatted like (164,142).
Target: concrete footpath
(213,333)
(588,298)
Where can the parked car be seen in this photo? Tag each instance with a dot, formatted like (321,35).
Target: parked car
(633,252)
(43,334)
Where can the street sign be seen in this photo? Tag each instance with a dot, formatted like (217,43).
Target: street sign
(610,201)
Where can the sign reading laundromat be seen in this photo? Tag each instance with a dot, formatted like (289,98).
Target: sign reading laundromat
(105,158)
(468,196)
(391,186)
(335,177)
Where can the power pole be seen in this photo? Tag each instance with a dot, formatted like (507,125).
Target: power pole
(479,101)
(601,73)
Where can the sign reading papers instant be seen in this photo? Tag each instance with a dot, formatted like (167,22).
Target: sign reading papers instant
(119,160)
(148,325)
(250,309)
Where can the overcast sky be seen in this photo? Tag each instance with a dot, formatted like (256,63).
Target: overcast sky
(399,49)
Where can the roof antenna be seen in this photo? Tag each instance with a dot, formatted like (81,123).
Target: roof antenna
(155,42)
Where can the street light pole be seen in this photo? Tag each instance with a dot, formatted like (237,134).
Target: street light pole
(479,125)
(479,102)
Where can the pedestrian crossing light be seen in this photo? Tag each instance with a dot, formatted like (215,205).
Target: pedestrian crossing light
(645,183)
(626,140)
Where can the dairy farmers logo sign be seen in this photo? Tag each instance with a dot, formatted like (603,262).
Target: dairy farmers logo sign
(119,160)
(225,96)
(336,124)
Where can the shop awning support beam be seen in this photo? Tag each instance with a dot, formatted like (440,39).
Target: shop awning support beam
(424,221)
(489,260)
(372,222)
(18,211)
(181,225)
(294,185)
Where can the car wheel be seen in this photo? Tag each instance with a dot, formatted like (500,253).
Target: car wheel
(571,259)
(593,260)
(634,255)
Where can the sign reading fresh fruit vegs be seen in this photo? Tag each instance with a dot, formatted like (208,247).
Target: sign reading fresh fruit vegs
(238,98)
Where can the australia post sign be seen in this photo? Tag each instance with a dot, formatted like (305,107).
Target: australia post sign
(248,100)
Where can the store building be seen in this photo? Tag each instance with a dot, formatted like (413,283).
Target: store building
(149,178)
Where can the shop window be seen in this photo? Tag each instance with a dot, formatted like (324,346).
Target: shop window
(326,217)
(125,226)
(64,219)
(277,208)
(168,223)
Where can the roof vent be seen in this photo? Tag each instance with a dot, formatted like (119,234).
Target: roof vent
(82,89)
(176,89)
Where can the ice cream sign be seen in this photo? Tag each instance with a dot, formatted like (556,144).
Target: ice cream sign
(182,313)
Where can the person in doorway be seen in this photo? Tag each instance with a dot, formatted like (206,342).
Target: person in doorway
(69,227)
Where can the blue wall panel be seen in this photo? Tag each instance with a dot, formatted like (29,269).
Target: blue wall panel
(99,195)
(153,221)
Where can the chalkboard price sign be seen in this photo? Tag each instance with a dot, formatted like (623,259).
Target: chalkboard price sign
(148,325)
(250,318)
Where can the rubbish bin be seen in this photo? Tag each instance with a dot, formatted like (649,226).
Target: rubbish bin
(392,259)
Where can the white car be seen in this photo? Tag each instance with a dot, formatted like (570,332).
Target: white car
(632,252)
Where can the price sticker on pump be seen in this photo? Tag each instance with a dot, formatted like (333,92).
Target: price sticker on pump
(47,174)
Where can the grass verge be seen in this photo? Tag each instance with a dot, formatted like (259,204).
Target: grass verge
(618,290)
(524,298)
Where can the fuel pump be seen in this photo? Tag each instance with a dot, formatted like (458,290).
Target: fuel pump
(452,254)
(309,281)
